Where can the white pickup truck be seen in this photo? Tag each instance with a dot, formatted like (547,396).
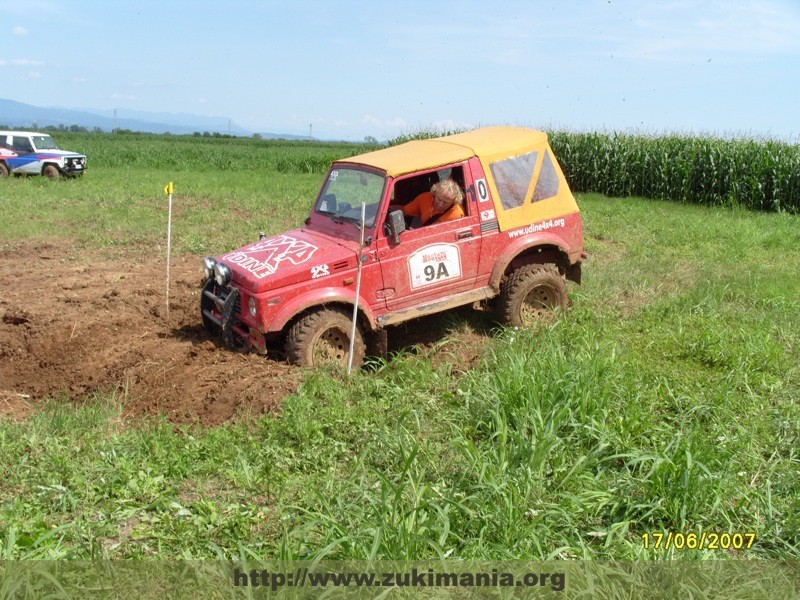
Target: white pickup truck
(31,153)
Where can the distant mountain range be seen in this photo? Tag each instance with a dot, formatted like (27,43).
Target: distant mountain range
(19,115)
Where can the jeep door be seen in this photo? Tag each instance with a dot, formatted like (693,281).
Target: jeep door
(432,261)
(26,160)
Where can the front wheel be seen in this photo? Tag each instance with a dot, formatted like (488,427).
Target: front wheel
(530,294)
(50,172)
(4,172)
(322,337)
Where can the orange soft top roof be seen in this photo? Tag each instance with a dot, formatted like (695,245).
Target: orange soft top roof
(417,155)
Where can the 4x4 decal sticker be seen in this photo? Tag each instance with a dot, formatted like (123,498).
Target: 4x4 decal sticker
(264,258)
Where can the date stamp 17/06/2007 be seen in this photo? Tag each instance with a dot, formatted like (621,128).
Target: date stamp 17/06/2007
(705,540)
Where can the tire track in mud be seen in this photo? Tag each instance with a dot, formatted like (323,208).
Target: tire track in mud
(72,325)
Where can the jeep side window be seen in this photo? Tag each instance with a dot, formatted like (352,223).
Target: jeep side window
(407,190)
(513,176)
(22,145)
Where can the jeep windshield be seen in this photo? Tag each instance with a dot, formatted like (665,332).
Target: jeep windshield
(44,142)
(345,189)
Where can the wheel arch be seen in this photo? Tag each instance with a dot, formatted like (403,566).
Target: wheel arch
(301,306)
(45,165)
(541,250)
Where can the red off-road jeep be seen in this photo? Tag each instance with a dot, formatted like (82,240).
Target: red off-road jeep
(521,238)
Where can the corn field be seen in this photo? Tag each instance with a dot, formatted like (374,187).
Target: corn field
(759,175)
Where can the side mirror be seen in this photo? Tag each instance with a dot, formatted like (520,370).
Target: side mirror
(396,224)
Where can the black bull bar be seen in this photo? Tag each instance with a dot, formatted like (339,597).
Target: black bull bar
(224,320)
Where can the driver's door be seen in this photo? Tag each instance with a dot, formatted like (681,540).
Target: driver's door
(431,262)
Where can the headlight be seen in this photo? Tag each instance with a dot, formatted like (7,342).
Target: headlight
(251,304)
(222,274)
(208,267)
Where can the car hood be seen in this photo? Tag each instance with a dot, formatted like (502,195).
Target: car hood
(288,258)
(58,153)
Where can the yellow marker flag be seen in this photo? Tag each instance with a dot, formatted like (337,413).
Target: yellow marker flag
(169,189)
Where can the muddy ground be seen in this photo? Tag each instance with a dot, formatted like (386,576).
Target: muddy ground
(74,325)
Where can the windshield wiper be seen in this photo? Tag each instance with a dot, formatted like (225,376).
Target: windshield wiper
(354,220)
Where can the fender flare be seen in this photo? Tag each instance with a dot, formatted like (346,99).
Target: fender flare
(521,245)
(320,298)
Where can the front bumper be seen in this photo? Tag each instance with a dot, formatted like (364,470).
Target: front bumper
(74,166)
(220,307)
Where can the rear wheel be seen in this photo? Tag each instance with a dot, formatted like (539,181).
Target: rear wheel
(4,172)
(530,294)
(50,172)
(323,338)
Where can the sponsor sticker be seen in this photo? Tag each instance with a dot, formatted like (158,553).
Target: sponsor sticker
(533,228)
(319,271)
(434,264)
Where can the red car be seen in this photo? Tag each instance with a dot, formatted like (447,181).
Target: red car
(517,237)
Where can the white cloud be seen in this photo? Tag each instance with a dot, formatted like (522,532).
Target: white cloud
(395,122)
(32,75)
(22,62)
(445,125)
(370,120)
(79,80)
(122,97)
(18,30)
(25,9)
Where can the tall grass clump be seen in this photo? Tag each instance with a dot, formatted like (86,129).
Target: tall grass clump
(754,174)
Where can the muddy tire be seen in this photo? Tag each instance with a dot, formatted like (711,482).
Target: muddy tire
(4,172)
(531,294)
(50,172)
(323,338)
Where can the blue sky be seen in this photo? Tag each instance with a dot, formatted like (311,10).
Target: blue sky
(350,69)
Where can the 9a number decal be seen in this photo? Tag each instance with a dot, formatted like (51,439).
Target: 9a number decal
(433,273)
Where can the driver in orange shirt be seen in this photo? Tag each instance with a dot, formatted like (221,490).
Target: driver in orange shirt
(442,203)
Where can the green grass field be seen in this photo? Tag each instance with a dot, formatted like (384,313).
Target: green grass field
(664,400)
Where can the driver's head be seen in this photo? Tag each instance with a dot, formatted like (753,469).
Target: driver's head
(445,194)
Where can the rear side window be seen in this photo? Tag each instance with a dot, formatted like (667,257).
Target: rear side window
(547,185)
(512,176)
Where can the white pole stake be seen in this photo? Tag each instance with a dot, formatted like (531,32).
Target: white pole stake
(358,291)
(168,191)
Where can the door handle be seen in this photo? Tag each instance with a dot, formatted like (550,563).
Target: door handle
(462,235)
